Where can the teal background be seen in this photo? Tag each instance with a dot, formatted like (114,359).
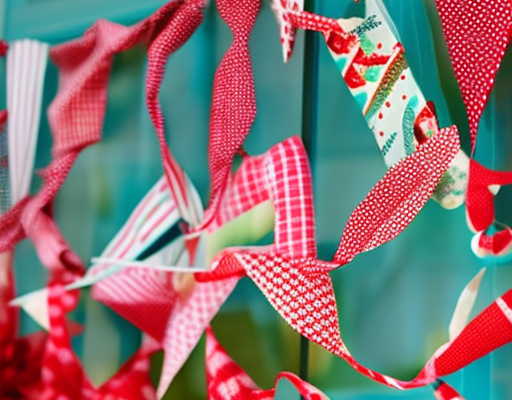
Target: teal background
(395,302)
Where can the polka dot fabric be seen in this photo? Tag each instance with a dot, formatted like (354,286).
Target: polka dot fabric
(477,33)
(397,198)
(234,104)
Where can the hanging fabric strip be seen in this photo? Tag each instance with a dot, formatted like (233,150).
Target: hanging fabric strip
(233,104)
(228,381)
(477,33)
(84,66)
(373,65)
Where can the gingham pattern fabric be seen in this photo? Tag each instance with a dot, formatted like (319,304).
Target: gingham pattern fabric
(283,176)
(233,105)
(228,381)
(150,299)
(76,115)
(477,33)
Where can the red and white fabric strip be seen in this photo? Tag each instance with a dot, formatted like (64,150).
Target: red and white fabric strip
(228,381)
(479,198)
(477,33)
(283,176)
(234,105)
(185,21)
(397,198)
(76,115)
(307,302)
(281,10)
(300,289)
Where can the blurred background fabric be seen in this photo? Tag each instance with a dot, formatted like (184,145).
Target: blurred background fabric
(395,302)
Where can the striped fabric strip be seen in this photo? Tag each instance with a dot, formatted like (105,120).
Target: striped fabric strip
(26,67)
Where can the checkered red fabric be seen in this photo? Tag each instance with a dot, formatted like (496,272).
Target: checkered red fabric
(76,115)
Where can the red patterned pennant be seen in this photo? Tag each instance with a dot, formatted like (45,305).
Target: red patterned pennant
(477,33)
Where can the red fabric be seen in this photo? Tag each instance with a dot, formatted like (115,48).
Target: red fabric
(3,48)
(185,21)
(479,199)
(228,381)
(477,33)
(62,375)
(283,176)
(398,197)
(233,104)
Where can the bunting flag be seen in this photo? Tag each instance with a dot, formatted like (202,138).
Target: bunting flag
(477,33)
(281,9)
(233,105)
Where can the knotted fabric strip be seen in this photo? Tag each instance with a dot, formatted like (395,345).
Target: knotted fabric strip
(282,174)
(234,105)
(84,66)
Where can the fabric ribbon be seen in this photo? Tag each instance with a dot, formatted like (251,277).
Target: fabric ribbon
(233,105)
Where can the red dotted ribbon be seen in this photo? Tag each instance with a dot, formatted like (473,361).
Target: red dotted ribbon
(234,104)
